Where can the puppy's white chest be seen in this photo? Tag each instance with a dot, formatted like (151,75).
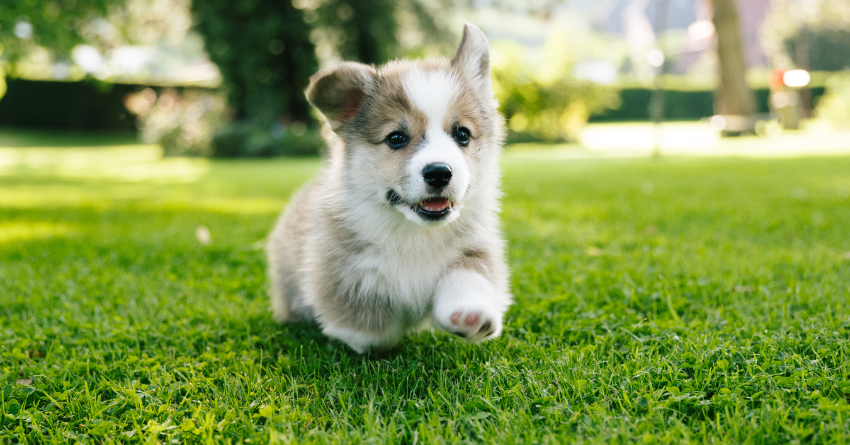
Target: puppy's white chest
(406,279)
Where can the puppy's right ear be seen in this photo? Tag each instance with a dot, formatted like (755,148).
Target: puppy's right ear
(338,92)
(473,58)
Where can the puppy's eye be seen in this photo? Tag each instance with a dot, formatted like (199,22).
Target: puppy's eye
(462,136)
(397,140)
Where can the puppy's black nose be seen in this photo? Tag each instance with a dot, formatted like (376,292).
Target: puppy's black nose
(437,174)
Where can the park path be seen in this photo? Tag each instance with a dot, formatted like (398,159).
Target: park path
(688,139)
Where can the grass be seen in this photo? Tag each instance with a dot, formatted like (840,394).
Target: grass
(666,300)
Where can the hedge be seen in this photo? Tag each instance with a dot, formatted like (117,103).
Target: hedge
(83,105)
(91,105)
(678,104)
(66,105)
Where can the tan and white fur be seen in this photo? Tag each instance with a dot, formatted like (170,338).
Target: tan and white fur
(401,226)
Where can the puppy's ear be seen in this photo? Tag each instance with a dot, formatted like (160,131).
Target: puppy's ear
(473,58)
(339,92)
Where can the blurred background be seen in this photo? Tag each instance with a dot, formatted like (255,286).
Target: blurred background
(226,78)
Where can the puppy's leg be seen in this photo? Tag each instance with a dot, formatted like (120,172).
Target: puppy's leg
(286,302)
(285,255)
(364,322)
(283,273)
(363,342)
(469,305)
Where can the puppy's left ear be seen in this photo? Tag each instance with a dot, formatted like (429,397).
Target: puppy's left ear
(339,92)
(473,58)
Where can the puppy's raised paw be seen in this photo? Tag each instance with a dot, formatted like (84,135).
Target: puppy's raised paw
(474,325)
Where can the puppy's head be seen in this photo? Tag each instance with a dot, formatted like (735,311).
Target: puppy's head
(419,138)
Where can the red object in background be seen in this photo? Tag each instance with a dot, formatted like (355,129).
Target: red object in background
(775,81)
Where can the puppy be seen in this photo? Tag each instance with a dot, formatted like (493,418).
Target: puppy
(401,226)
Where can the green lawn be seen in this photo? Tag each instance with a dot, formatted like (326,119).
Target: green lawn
(669,300)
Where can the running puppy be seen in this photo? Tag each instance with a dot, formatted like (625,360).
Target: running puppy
(401,225)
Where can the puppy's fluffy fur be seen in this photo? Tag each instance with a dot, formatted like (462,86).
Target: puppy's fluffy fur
(373,248)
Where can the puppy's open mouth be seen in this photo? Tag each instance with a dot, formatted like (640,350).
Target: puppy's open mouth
(432,209)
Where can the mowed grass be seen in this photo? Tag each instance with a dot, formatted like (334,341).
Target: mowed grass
(668,300)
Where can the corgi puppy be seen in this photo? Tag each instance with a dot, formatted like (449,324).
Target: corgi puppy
(401,227)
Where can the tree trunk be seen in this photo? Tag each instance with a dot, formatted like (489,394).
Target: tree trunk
(801,59)
(733,95)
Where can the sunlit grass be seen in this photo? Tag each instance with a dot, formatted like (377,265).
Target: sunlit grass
(126,163)
(669,300)
(33,230)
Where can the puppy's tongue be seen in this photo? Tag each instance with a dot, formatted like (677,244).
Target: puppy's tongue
(435,204)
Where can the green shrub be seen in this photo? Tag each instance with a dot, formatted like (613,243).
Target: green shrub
(191,122)
(240,140)
(545,107)
(834,106)
(817,31)
(183,123)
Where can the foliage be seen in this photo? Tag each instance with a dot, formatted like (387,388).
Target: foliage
(189,123)
(657,301)
(542,107)
(363,31)
(58,24)
(297,139)
(266,65)
(834,106)
(818,31)
(374,32)
(36,34)
(277,51)
(183,123)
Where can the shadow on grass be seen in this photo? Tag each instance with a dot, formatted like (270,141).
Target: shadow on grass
(14,137)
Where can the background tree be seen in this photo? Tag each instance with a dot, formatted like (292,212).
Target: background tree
(369,31)
(733,96)
(57,26)
(264,53)
(810,35)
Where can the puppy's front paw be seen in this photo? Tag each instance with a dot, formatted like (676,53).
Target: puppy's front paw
(468,305)
(473,324)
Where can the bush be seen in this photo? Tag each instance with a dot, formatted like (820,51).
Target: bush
(834,105)
(296,139)
(182,122)
(540,108)
(191,123)
(818,30)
